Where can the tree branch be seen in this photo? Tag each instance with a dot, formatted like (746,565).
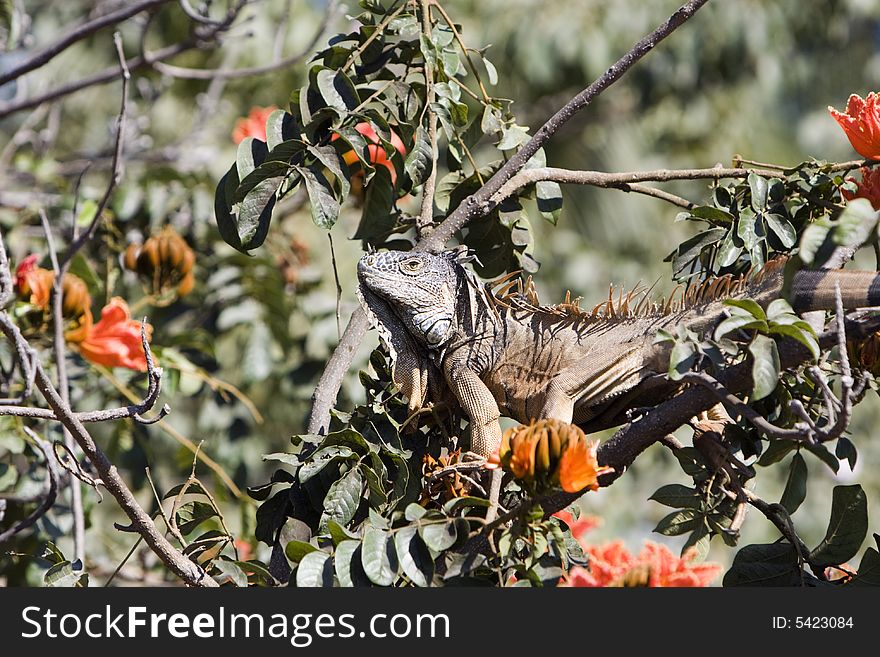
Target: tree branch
(78,33)
(141,522)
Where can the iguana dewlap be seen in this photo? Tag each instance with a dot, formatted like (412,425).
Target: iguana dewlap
(504,354)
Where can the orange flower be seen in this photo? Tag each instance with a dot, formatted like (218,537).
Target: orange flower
(668,570)
(254,125)
(868,187)
(34,282)
(115,341)
(655,566)
(861,123)
(578,467)
(522,462)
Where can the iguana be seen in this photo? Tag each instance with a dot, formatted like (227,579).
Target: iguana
(499,352)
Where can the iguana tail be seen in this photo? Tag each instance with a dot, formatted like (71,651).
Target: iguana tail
(817,289)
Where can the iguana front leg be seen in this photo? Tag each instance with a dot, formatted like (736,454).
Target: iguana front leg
(482,411)
(480,407)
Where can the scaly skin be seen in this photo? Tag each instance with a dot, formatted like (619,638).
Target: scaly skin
(507,355)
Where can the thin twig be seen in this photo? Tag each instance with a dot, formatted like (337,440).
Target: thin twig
(78,33)
(426,216)
(116,174)
(76,504)
(338,286)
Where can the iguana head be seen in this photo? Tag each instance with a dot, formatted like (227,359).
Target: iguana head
(420,288)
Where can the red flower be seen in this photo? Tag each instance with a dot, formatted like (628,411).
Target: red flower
(861,123)
(34,282)
(375,152)
(655,566)
(868,188)
(671,571)
(254,125)
(115,341)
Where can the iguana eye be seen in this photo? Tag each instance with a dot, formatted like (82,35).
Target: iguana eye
(411,266)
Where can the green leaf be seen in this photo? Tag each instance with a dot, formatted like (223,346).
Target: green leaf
(782,228)
(821,452)
(855,224)
(280,127)
(338,533)
(796,487)
(230,572)
(690,249)
(812,239)
(682,360)
(322,198)
(251,153)
(296,550)
(329,157)
(321,459)
(549,196)
(805,336)
(845,449)
(765,366)
(456,504)
(66,574)
(337,90)
(415,559)
(737,322)
(712,215)
(378,219)
(679,522)
(438,536)
(419,162)
(223,199)
(414,511)
(677,496)
(491,121)
(315,570)
(869,569)
(378,557)
(758,187)
(728,251)
(774,564)
(846,529)
(512,137)
(776,451)
(192,514)
(347,564)
(343,498)
(749,305)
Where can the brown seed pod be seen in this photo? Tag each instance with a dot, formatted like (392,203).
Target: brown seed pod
(130,257)
(186,285)
(148,259)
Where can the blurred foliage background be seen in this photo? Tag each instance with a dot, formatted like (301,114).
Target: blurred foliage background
(244,349)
